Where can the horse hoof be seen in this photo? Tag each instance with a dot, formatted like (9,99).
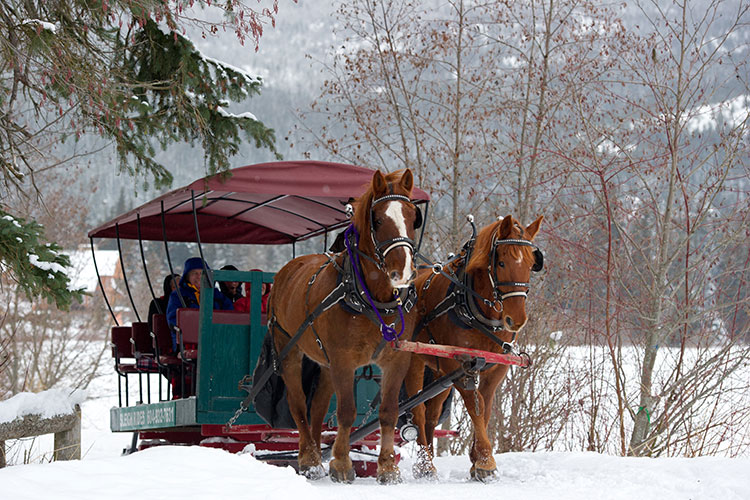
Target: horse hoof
(424,470)
(313,472)
(483,475)
(346,476)
(389,477)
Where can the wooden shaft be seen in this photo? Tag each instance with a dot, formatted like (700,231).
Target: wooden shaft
(459,353)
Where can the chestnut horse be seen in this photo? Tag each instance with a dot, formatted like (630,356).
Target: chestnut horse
(500,261)
(341,340)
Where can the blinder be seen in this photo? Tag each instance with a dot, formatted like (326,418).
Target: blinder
(418,219)
(538,261)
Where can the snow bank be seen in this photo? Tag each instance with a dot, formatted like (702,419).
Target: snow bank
(47,404)
(192,472)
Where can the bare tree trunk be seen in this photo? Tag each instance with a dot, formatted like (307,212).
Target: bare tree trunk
(456,179)
(655,335)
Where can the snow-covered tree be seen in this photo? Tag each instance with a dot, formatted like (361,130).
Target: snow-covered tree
(123,71)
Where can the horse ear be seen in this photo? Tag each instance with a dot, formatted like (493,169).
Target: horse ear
(379,185)
(505,227)
(533,228)
(407,180)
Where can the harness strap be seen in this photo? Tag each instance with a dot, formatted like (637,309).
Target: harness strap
(466,312)
(331,299)
(395,243)
(307,306)
(445,305)
(437,268)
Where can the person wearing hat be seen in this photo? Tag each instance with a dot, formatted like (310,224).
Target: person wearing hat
(189,288)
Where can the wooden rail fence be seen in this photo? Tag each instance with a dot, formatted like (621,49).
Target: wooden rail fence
(66,428)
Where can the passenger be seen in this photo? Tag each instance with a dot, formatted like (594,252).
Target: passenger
(243,304)
(189,288)
(231,289)
(159,305)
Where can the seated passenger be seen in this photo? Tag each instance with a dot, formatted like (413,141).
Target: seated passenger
(159,305)
(243,304)
(231,289)
(189,289)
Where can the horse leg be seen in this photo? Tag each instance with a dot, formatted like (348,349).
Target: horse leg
(340,468)
(393,376)
(321,401)
(483,467)
(483,463)
(423,467)
(434,409)
(309,457)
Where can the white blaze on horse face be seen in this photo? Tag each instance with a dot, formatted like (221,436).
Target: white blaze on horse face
(395,212)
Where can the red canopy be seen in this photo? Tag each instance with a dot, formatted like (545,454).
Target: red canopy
(268,203)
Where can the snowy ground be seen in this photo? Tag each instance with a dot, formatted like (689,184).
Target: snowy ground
(195,473)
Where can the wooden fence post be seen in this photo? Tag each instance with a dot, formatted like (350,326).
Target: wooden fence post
(68,442)
(66,428)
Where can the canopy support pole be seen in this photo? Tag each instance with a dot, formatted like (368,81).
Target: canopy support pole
(424,224)
(166,250)
(145,268)
(294,250)
(198,238)
(124,275)
(101,286)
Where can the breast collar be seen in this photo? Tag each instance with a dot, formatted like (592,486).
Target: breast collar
(356,302)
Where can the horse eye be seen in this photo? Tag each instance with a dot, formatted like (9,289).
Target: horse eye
(501,264)
(378,223)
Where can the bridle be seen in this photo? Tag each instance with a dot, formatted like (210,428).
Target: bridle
(497,294)
(463,300)
(393,243)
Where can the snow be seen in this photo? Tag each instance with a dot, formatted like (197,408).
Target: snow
(47,404)
(246,114)
(44,24)
(195,472)
(733,112)
(244,73)
(47,266)
(14,221)
(192,472)
(84,273)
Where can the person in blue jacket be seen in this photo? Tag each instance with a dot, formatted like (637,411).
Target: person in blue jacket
(189,288)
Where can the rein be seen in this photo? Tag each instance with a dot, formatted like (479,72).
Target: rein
(388,331)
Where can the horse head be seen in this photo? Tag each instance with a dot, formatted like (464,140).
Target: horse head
(386,219)
(502,260)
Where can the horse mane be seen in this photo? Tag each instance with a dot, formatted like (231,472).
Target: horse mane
(480,257)
(362,205)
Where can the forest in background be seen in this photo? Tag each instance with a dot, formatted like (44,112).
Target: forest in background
(624,124)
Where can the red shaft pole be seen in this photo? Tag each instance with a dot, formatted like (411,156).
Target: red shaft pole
(453,352)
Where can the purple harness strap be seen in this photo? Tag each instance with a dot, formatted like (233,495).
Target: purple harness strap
(388,331)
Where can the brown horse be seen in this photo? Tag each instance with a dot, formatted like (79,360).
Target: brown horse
(340,340)
(499,265)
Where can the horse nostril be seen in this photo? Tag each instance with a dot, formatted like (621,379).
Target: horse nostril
(509,321)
